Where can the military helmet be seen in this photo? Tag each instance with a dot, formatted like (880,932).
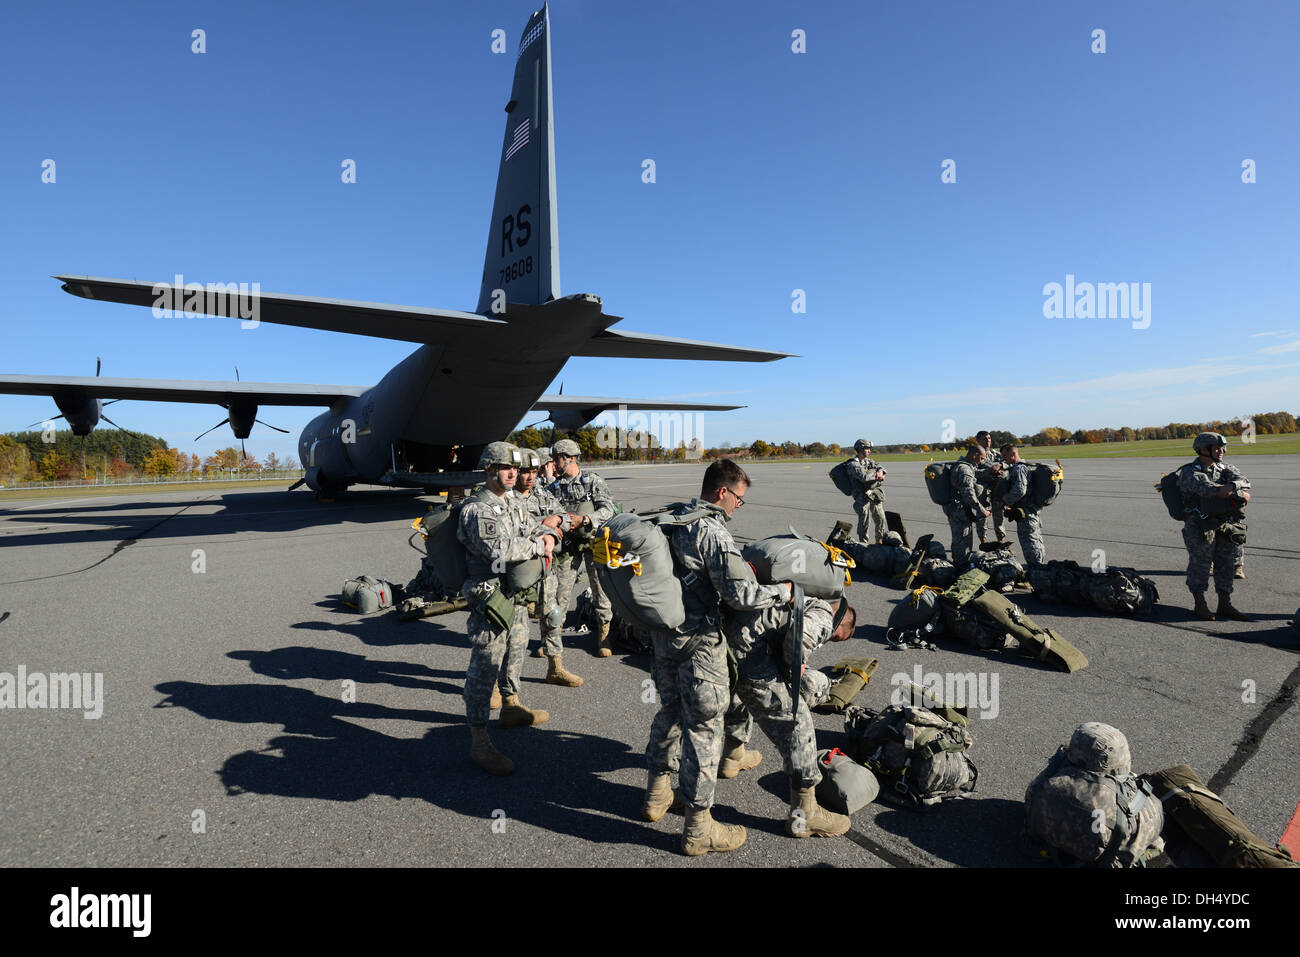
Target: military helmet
(500,453)
(861,445)
(566,447)
(1208,439)
(529,459)
(892,538)
(543,456)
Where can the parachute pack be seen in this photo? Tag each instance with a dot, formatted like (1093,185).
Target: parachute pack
(918,756)
(635,566)
(988,619)
(1045,483)
(822,569)
(1172,494)
(1120,591)
(1087,808)
(938,481)
(1202,831)
(444,555)
(846,786)
(842,479)
(367,595)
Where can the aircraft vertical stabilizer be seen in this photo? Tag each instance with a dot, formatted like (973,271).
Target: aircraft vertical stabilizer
(523,249)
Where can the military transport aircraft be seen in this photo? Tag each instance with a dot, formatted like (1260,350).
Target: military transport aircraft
(475,374)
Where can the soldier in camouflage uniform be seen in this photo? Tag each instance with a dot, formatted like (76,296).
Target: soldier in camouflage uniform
(815,686)
(993,470)
(758,640)
(965,508)
(497,532)
(541,504)
(1020,506)
(575,486)
(1213,496)
(690,664)
(868,495)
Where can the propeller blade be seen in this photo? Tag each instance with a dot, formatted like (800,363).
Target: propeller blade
(236,373)
(98,363)
(109,402)
(217,426)
(285,431)
(43,421)
(118,427)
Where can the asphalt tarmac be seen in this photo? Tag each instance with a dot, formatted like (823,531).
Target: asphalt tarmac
(225,737)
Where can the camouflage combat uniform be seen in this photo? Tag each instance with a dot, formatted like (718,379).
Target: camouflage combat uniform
(494,528)
(965,503)
(1206,544)
(570,493)
(757,638)
(868,497)
(690,665)
(540,503)
(988,478)
(1029,529)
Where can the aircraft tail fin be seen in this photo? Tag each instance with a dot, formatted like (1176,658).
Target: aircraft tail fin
(522,264)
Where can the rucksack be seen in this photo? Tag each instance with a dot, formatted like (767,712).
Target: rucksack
(1121,591)
(986,619)
(938,481)
(634,563)
(367,595)
(878,559)
(842,479)
(822,570)
(1087,808)
(918,756)
(916,610)
(1045,483)
(1198,819)
(444,553)
(1172,494)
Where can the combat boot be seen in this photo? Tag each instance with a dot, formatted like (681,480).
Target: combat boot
(494,703)
(487,757)
(540,650)
(703,834)
(556,674)
(603,647)
(1239,571)
(660,796)
(1201,610)
(1226,611)
(810,819)
(515,715)
(736,759)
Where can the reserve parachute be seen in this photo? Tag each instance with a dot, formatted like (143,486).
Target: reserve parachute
(1172,494)
(938,481)
(822,570)
(842,479)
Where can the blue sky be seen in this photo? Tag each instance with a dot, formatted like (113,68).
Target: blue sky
(775,171)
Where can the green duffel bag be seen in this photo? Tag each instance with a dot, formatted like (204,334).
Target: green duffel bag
(1195,814)
(846,786)
(367,595)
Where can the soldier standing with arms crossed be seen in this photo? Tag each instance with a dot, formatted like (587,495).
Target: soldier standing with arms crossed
(868,497)
(1214,495)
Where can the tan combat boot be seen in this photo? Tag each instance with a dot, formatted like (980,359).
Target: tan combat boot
(1200,609)
(494,703)
(515,715)
(736,759)
(1239,571)
(603,647)
(810,819)
(1226,611)
(703,834)
(556,674)
(660,796)
(487,757)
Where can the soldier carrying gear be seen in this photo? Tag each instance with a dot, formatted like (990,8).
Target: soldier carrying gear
(500,538)
(579,491)
(541,504)
(1020,506)
(965,508)
(1214,499)
(868,496)
(994,468)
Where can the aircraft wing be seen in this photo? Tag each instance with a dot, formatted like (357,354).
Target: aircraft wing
(179,390)
(408,323)
(583,403)
(641,345)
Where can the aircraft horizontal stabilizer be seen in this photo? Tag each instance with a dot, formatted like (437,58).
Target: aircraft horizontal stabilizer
(382,321)
(640,345)
(180,390)
(579,403)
